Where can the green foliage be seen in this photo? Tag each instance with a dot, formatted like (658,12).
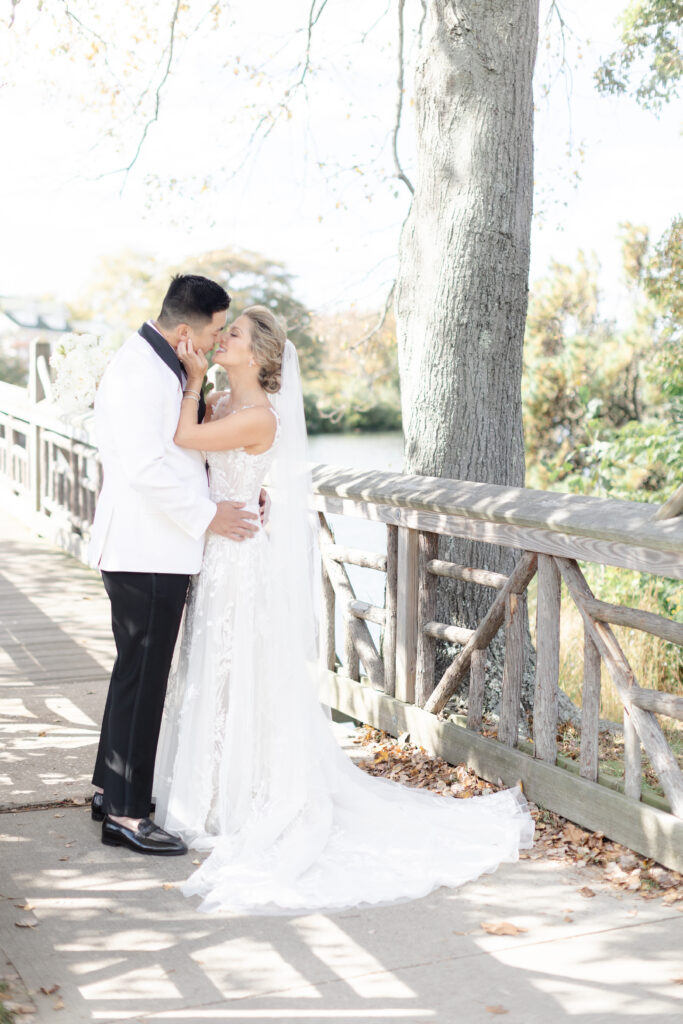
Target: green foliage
(603,405)
(649,61)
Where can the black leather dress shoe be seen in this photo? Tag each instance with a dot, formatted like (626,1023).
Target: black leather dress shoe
(97,807)
(147,838)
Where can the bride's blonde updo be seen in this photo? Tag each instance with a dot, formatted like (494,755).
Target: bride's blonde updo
(268,337)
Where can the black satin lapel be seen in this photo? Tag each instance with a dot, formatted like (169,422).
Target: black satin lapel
(168,356)
(162,349)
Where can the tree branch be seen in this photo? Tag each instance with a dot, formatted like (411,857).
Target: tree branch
(313,18)
(157,102)
(400,173)
(15,4)
(380,323)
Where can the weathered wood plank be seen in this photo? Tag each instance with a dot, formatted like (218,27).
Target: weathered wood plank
(391,600)
(634,554)
(633,762)
(513,670)
(651,832)
(475,696)
(517,583)
(406,615)
(453,634)
(578,515)
(668,704)
(452,571)
(651,736)
(590,709)
(547,660)
(357,556)
(635,618)
(328,656)
(427,548)
(367,612)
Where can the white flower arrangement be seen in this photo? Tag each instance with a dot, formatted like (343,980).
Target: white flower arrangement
(78,362)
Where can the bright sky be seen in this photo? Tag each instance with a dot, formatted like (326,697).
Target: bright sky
(198,185)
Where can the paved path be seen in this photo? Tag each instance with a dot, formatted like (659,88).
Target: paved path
(56,653)
(122,944)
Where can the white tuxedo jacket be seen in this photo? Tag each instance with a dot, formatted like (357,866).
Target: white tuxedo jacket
(154,506)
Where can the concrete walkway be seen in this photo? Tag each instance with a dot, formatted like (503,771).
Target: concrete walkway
(101,935)
(123,944)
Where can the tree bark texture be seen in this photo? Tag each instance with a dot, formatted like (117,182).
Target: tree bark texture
(462,285)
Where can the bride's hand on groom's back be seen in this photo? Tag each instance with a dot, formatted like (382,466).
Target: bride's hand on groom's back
(195,362)
(232,521)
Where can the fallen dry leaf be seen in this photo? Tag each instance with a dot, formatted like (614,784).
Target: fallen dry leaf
(496,1009)
(572,834)
(502,928)
(585,891)
(58,1004)
(568,919)
(25,922)
(168,885)
(49,991)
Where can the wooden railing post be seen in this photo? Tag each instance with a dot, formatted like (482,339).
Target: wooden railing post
(427,549)
(633,765)
(513,670)
(391,601)
(475,697)
(406,614)
(590,709)
(547,659)
(327,631)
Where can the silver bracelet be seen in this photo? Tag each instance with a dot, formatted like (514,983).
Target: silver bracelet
(191,391)
(191,394)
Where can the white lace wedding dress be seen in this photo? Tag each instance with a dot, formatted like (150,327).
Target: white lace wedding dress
(249,769)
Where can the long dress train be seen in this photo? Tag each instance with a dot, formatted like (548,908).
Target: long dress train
(249,769)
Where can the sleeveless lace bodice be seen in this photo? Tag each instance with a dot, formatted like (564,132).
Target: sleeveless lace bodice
(236,475)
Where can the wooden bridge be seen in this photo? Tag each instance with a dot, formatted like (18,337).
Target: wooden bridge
(49,474)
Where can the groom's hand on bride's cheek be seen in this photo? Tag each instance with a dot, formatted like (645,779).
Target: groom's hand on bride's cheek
(233,521)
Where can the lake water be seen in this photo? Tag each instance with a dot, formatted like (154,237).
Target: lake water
(382,451)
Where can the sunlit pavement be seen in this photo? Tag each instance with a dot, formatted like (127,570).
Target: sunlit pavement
(108,927)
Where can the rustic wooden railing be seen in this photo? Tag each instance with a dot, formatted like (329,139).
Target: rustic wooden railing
(49,474)
(397,690)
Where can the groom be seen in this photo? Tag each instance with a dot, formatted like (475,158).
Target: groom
(147,539)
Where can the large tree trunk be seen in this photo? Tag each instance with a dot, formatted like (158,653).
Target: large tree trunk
(464,261)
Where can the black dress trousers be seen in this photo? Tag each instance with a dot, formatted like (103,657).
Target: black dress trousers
(146,611)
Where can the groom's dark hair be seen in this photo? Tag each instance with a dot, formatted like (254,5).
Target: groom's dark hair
(192,299)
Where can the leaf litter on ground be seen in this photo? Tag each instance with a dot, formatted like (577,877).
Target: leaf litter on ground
(556,839)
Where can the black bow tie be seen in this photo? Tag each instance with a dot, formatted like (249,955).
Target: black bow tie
(168,356)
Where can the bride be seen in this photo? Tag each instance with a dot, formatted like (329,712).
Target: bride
(247,767)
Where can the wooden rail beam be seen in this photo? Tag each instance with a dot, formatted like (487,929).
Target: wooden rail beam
(635,618)
(356,556)
(459,572)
